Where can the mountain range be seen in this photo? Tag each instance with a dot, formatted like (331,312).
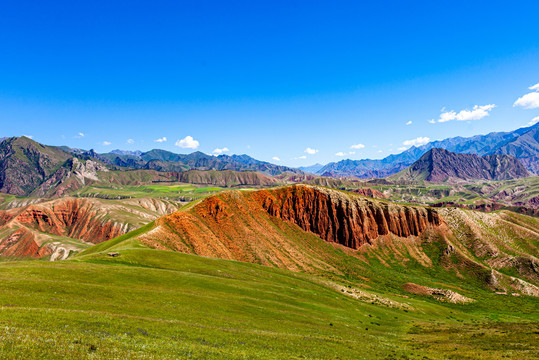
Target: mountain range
(522,143)
(30,168)
(440,165)
(162,160)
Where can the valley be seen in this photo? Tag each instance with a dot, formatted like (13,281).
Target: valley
(209,263)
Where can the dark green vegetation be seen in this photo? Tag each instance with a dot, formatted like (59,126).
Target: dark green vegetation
(155,304)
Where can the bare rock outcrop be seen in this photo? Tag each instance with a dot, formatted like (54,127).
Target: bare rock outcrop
(345,219)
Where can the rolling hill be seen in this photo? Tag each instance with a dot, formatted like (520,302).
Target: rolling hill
(370,279)
(332,233)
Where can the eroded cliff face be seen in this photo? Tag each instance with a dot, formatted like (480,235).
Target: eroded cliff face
(74,218)
(283,227)
(33,230)
(22,243)
(345,219)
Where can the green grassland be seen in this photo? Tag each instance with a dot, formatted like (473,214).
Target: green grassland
(163,191)
(150,304)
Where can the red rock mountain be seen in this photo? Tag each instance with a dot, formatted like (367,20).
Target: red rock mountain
(323,231)
(340,218)
(282,227)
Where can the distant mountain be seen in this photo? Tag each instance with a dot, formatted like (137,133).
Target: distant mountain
(440,165)
(31,169)
(313,169)
(162,160)
(136,153)
(522,143)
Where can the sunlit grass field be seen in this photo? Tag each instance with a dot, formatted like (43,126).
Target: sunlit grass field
(150,304)
(169,191)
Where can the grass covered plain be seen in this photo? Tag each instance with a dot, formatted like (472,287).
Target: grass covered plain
(169,191)
(150,304)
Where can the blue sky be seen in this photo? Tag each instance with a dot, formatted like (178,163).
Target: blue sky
(269,79)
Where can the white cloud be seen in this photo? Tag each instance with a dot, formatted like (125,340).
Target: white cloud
(340,153)
(163,139)
(28,136)
(357,146)
(528,101)
(534,121)
(478,112)
(417,141)
(432,121)
(130,141)
(220,151)
(402,148)
(106,143)
(409,122)
(311,151)
(276,158)
(187,143)
(300,157)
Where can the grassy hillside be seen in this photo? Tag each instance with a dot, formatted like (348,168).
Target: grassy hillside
(496,252)
(150,304)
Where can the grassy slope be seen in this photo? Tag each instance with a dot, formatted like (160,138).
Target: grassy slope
(161,305)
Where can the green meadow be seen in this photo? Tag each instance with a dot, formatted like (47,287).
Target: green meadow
(168,191)
(151,304)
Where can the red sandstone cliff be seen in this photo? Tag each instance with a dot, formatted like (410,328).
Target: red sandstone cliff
(74,218)
(347,220)
(26,229)
(282,227)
